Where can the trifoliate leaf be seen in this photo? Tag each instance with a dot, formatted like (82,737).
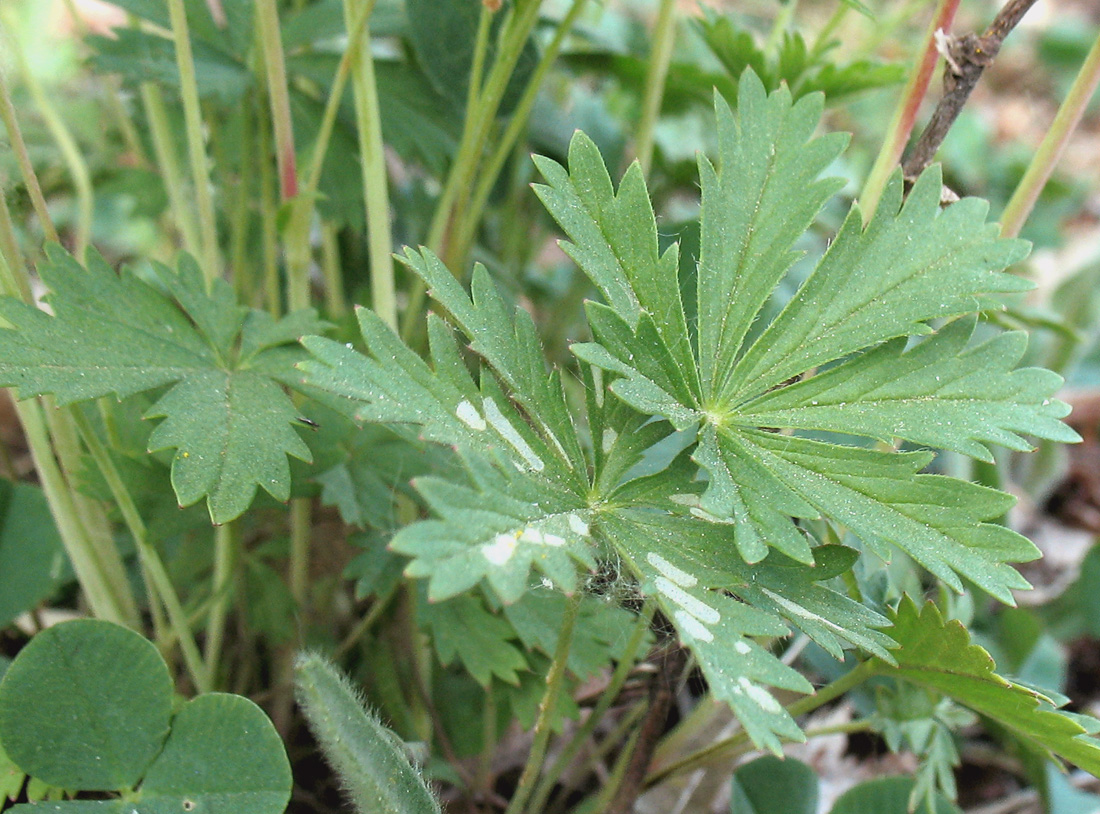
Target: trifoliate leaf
(226,413)
(734,383)
(938,654)
(464,628)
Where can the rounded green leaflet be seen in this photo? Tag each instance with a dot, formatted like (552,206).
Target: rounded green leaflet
(887,795)
(31,557)
(222,757)
(771,785)
(86,705)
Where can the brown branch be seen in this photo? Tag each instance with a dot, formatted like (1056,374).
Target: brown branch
(662,694)
(967,57)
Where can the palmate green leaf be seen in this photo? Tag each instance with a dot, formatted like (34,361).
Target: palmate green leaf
(511,517)
(874,287)
(938,654)
(226,413)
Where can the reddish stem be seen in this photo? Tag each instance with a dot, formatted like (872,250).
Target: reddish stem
(942,22)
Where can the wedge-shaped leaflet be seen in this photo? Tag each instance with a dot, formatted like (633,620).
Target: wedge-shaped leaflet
(226,414)
(938,654)
(939,521)
(394,385)
(506,338)
(937,393)
(718,604)
(735,380)
(498,531)
(525,504)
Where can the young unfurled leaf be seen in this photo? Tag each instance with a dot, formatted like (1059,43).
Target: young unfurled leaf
(871,290)
(226,413)
(365,754)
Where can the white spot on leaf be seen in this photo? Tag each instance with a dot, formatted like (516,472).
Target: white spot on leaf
(608,440)
(697,608)
(468,415)
(578,526)
(510,434)
(680,577)
(692,626)
(501,549)
(761,696)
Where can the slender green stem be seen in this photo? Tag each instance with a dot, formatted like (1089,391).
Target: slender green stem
(554,681)
(607,698)
(375,178)
(729,746)
(241,267)
(780,26)
(1053,144)
(296,241)
(846,728)
(664,38)
(336,303)
(517,28)
(821,42)
(269,232)
(618,771)
(102,594)
(905,114)
(226,549)
(150,558)
(481,50)
(365,624)
(270,35)
(514,36)
(196,145)
(17,284)
(332,105)
(471,214)
(303,207)
(70,152)
(22,157)
(164,148)
(300,512)
(620,737)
